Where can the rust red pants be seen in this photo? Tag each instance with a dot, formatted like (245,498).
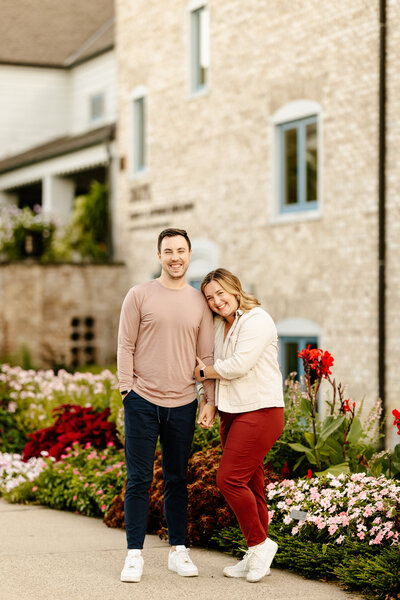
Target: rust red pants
(246,438)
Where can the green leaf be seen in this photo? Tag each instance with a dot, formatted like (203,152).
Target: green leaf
(331,427)
(299,447)
(335,470)
(305,406)
(309,438)
(298,463)
(354,431)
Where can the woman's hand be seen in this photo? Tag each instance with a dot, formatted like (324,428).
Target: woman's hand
(206,416)
(200,365)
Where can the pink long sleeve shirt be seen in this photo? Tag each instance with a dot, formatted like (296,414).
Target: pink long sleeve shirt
(161,331)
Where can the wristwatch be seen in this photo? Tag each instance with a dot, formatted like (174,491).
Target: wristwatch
(202,373)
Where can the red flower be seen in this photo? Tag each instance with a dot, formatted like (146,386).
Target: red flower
(396,421)
(346,407)
(309,474)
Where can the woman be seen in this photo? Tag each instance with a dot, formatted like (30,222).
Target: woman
(250,403)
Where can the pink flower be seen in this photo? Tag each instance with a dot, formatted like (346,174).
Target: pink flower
(110,444)
(99,492)
(332,529)
(361,535)
(35,487)
(74,498)
(86,485)
(103,507)
(87,445)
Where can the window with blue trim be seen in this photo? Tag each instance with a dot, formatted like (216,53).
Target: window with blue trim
(298,165)
(200,48)
(139,133)
(288,350)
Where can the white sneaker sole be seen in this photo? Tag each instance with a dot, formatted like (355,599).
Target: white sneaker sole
(130,578)
(192,574)
(242,576)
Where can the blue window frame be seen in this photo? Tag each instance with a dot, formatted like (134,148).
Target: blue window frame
(139,133)
(288,349)
(200,54)
(298,165)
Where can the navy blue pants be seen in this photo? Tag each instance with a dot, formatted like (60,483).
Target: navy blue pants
(144,422)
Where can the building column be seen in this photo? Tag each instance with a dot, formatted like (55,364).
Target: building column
(58,196)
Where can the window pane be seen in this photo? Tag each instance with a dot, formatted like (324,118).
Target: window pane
(200,47)
(291,363)
(311,162)
(290,146)
(139,118)
(96,107)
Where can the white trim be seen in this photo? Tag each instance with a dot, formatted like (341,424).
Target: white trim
(298,327)
(139,91)
(299,109)
(62,165)
(292,111)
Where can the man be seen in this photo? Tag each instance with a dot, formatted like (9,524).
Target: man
(164,324)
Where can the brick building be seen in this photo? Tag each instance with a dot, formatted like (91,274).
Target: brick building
(255,126)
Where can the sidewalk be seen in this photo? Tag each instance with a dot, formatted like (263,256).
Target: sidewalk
(54,555)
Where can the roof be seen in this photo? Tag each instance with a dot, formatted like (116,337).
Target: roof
(57,147)
(54,33)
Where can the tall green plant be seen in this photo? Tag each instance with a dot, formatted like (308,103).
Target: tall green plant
(337,443)
(86,235)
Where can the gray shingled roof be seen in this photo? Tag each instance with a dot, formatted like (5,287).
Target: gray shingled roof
(56,33)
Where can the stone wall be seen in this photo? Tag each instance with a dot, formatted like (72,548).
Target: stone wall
(61,313)
(211,161)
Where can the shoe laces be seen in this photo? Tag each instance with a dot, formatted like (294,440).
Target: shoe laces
(184,555)
(246,555)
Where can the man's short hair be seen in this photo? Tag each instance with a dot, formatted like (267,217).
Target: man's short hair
(172,233)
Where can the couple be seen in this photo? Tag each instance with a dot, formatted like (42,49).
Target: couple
(164,325)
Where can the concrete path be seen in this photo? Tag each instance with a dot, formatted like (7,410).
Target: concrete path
(54,555)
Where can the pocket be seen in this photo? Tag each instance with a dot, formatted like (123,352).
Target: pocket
(240,392)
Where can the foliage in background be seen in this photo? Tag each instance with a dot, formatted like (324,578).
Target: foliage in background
(86,235)
(85,480)
(30,396)
(74,424)
(30,233)
(16,225)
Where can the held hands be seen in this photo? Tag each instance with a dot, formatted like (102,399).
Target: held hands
(200,365)
(206,416)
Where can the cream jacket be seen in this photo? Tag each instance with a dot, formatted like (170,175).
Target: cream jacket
(247,361)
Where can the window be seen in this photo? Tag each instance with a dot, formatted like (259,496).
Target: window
(96,107)
(298,164)
(139,134)
(296,161)
(288,349)
(199,34)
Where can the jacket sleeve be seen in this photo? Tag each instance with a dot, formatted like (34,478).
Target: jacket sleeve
(205,350)
(127,335)
(255,334)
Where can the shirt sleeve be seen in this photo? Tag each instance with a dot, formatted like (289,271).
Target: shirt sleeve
(127,335)
(255,334)
(205,350)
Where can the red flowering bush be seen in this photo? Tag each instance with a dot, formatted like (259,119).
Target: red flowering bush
(73,424)
(207,508)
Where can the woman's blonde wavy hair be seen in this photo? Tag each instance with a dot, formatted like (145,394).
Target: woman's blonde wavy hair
(231,284)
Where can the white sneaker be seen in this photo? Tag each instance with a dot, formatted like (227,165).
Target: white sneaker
(241,568)
(261,557)
(180,562)
(133,567)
